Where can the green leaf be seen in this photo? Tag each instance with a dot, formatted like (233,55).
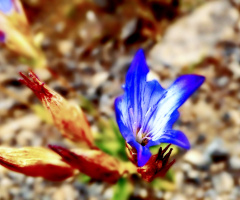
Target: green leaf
(170,175)
(154,149)
(110,139)
(83,178)
(162,184)
(122,190)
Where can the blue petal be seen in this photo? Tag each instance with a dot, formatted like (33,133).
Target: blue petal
(6,6)
(171,100)
(175,137)
(182,89)
(149,102)
(122,118)
(135,83)
(143,153)
(142,97)
(2,36)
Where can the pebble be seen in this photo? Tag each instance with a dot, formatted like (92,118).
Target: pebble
(65,47)
(27,122)
(222,81)
(216,150)
(223,182)
(196,158)
(210,193)
(128,29)
(203,31)
(143,193)
(24,137)
(179,197)
(199,193)
(99,78)
(108,194)
(234,163)
(193,176)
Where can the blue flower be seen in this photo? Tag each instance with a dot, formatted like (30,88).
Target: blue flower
(6,6)
(146,112)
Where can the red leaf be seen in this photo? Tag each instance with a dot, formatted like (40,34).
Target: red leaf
(68,118)
(36,161)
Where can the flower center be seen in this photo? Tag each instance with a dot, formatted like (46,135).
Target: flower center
(142,138)
(144,142)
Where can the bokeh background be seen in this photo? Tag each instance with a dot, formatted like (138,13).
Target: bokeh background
(89,45)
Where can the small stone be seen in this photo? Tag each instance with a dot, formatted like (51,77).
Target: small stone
(211,193)
(234,163)
(91,16)
(159,194)
(217,167)
(168,195)
(193,177)
(29,180)
(95,189)
(128,29)
(186,167)
(196,158)
(189,190)
(99,78)
(24,137)
(179,177)
(65,47)
(143,193)
(179,197)
(60,26)
(6,182)
(223,182)
(108,193)
(17,177)
(216,151)
(105,105)
(199,193)
(222,81)
(206,25)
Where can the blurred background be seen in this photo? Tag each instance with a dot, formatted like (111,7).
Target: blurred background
(88,45)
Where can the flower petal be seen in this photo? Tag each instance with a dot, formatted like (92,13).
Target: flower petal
(36,161)
(68,118)
(150,98)
(94,163)
(143,153)
(171,100)
(135,83)
(141,97)
(175,137)
(122,118)
(6,6)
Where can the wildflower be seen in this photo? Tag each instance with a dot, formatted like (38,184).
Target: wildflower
(68,118)
(35,161)
(146,112)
